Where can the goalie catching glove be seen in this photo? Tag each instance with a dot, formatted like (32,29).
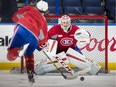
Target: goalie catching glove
(82,36)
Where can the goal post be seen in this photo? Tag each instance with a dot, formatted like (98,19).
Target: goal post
(97,49)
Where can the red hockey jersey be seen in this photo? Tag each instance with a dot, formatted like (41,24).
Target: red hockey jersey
(31,19)
(65,40)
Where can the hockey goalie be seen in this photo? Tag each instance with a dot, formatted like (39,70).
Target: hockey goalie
(63,50)
(64,59)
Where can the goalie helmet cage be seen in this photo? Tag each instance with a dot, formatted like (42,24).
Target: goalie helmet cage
(97,26)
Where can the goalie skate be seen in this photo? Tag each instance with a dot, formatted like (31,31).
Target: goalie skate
(31,77)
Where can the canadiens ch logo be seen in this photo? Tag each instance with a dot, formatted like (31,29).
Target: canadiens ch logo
(66,41)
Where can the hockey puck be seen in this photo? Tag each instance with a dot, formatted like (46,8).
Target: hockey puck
(82,78)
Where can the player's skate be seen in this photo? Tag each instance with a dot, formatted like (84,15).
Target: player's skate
(29,61)
(31,77)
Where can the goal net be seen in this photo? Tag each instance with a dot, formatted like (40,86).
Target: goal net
(97,49)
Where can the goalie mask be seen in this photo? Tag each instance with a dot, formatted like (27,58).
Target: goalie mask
(65,22)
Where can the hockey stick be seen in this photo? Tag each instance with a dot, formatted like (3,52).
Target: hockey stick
(84,71)
(70,70)
(64,76)
(74,74)
(81,72)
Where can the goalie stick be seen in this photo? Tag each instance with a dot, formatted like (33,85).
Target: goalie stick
(70,70)
(74,75)
(64,76)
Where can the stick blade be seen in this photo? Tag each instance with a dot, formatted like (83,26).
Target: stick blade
(84,71)
(71,77)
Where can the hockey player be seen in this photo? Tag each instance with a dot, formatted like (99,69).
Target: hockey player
(31,28)
(68,35)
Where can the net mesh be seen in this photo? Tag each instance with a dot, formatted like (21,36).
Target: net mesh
(76,19)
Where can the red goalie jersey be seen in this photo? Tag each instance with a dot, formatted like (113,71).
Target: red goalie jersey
(65,39)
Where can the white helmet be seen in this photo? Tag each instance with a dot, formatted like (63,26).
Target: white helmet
(42,5)
(65,22)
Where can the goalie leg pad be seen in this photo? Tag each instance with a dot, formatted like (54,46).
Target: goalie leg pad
(64,63)
(41,69)
(94,68)
(62,56)
(77,60)
(47,66)
(81,61)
